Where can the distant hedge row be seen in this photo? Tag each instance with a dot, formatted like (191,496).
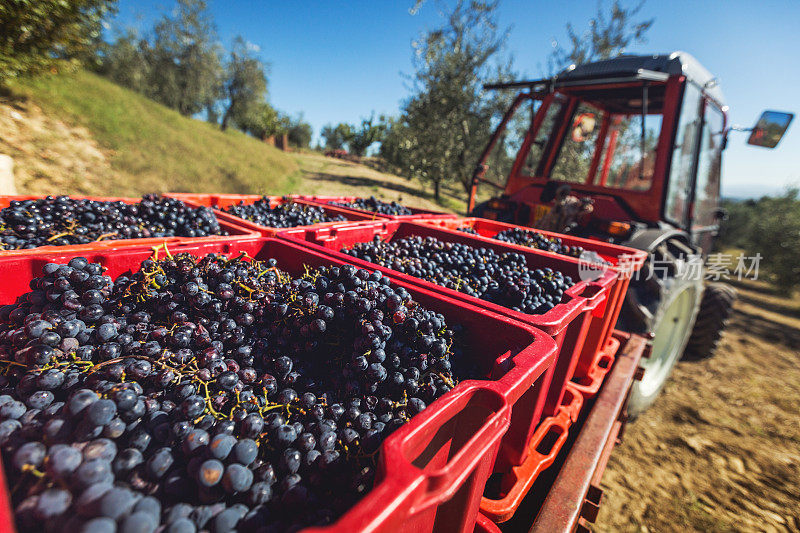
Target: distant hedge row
(769,226)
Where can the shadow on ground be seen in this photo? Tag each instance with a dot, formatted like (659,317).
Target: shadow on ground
(763,328)
(775,307)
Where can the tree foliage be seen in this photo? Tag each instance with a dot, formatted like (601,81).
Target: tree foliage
(299,132)
(181,66)
(37,35)
(610,33)
(266,121)
(125,63)
(184,59)
(769,226)
(363,136)
(245,85)
(336,137)
(446,123)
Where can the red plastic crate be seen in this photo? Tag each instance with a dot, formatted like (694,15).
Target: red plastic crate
(485,525)
(589,385)
(415,212)
(627,260)
(432,471)
(567,323)
(544,447)
(235,231)
(218,202)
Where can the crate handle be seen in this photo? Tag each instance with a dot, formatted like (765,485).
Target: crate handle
(525,475)
(527,367)
(441,484)
(574,406)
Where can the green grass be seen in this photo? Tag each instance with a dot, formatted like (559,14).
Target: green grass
(155,149)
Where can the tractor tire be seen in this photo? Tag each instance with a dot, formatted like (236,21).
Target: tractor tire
(715,312)
(662,304)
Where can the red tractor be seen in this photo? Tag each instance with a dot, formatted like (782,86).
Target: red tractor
(629,150)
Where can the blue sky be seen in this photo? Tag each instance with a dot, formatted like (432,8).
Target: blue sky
(339,61)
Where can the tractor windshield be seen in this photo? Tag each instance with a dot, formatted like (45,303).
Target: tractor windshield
(624,165)
(597,138)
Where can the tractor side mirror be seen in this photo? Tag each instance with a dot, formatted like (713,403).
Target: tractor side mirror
(770,128)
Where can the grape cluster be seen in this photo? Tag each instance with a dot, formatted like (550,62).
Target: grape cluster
(534,239)
(376,206)
(61,220)
(286,215)
(212,394)
(501,278)
(467,229)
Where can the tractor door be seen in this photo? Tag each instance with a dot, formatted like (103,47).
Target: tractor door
(684,158)
(705,218)
(692,193)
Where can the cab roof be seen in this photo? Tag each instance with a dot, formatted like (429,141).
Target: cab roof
(657,67)
(676,63)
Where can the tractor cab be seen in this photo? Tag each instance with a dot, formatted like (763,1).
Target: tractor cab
(638,139)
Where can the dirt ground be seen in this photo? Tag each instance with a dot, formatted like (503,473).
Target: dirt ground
(322,175)
(720,449)
(49,155)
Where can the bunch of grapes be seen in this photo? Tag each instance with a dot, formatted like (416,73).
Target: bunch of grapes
(467,229)
(61,221)
(212,394)
(501,278)
(534,239)
(376,206)
(285,215)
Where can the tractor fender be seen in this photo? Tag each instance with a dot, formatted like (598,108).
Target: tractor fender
(648,239)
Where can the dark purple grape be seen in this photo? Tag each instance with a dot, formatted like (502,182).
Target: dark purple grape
(52,504)
(138,522)
(245,451)
(210,473)
(29,455)
(101,412)
(237,478)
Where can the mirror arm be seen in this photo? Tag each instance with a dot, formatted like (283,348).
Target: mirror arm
(735,127)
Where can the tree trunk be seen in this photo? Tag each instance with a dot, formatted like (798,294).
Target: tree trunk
(225,118)
(436,187)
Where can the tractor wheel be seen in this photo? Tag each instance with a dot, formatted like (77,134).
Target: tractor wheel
(663,305)
(715,311)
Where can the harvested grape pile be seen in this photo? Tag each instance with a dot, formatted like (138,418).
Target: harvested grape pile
(501,278)
(534,239)
(207,394)
(286,215)
(61,220)
(376,206)
(467,229)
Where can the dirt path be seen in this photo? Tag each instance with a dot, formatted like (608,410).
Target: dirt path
(720,449)
(322,175)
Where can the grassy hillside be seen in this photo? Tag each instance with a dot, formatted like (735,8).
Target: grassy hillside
(144,146)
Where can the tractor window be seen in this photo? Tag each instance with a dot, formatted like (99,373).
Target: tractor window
(575,157)
(680,176)
(708,168)
(624,166)
(543,136)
